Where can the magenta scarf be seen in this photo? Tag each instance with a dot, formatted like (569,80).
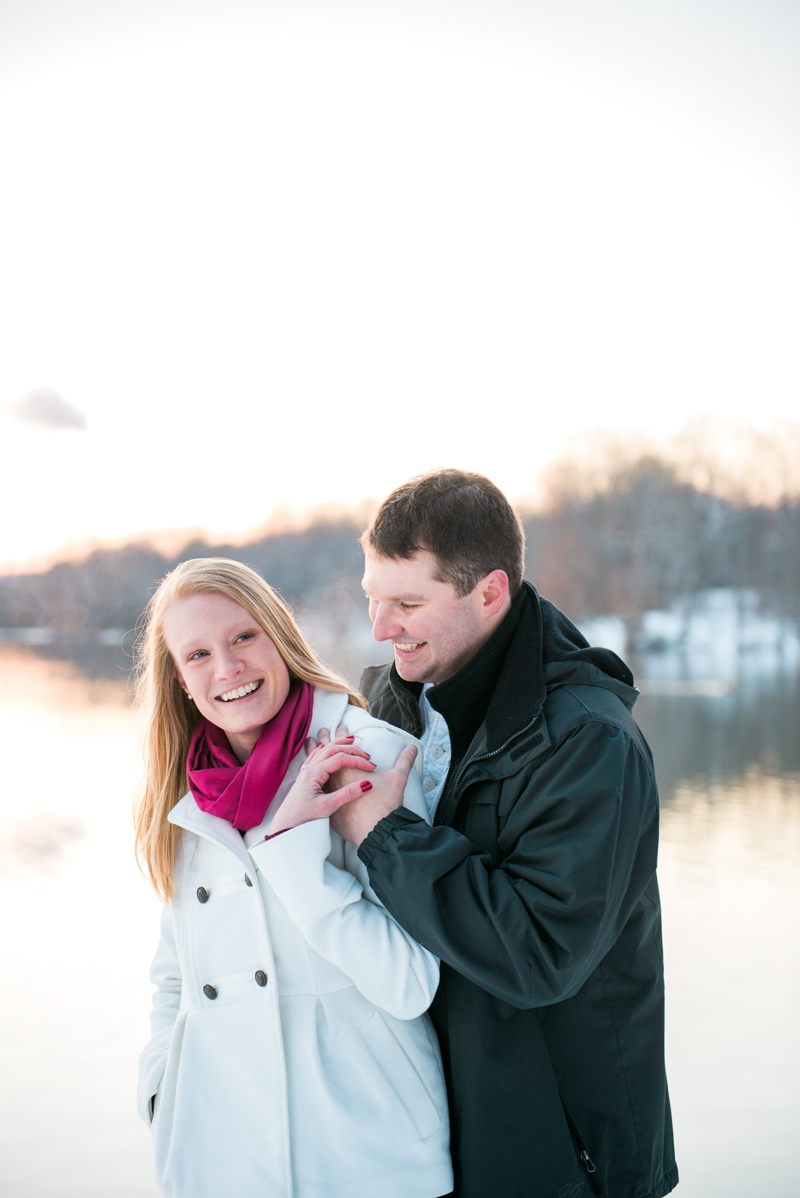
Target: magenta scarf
(240,793)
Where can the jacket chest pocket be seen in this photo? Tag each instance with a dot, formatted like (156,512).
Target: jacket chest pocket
(477,818)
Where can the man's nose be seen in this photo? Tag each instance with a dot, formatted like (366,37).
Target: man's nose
(385,626)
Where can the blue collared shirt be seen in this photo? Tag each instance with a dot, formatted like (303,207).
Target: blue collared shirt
(436,751)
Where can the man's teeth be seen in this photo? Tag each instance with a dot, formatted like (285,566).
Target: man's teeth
(408,648)
(239,693)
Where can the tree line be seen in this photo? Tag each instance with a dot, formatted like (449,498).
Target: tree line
(648,536)
(636,543)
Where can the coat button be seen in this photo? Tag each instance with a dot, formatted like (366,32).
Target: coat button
(247,880)
(261,977)
(209,992)
(202,894)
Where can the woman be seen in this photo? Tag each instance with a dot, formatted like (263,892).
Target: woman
(291,1056)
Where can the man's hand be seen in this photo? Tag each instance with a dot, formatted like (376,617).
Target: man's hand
(355,820)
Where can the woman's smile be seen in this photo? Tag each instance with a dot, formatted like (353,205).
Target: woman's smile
(240,692)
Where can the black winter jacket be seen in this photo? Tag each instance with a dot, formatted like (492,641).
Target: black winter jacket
(537,888)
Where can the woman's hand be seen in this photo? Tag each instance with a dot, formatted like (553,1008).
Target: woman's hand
(307,799)
(355,821)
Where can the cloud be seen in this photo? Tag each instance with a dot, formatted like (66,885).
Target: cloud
(45,408)
(38,841)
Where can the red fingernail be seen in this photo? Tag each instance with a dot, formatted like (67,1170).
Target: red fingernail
(366,785)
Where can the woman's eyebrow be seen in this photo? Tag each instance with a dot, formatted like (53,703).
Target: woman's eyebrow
(186,651)
(229,634)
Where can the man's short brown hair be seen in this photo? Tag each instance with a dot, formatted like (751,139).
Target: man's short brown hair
(463,519)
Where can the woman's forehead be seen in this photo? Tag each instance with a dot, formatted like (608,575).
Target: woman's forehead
(202,614)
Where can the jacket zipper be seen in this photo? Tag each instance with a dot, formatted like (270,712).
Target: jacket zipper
(483,757)
(587,1160)
(583,1155)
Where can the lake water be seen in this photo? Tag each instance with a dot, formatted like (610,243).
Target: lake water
(80,927)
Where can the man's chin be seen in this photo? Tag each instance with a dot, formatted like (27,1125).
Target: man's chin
(412,671)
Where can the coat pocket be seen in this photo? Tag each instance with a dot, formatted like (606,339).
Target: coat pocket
(401,1074)
(163,1101)
(583,1156)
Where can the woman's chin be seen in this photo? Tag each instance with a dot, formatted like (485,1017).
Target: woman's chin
(244,725)
(247,722)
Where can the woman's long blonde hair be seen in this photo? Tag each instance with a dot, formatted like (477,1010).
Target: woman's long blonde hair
(172,718)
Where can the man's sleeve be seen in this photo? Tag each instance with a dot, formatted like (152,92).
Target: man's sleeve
(578,848)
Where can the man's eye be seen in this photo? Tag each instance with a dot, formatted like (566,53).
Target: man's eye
(409,606)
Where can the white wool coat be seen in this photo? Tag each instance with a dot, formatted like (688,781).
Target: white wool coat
(308,1068)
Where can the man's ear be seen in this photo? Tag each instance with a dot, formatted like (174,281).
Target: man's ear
(493,591)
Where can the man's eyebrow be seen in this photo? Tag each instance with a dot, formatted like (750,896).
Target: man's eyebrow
(398,598)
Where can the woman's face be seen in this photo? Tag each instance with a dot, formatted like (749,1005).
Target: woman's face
(219,651)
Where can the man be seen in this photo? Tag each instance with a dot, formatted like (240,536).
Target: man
(536,883)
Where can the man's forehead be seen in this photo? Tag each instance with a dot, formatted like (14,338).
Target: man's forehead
(402,578)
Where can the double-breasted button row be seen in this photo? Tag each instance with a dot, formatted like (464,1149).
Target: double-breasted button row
(211,992)
(202,893)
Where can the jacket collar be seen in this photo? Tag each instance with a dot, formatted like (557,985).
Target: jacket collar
(465,698)
(406,695)
(520,691)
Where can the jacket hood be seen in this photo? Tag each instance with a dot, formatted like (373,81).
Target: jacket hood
(569,658)
(547,651)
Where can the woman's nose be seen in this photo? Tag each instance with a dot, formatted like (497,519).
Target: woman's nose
(228,665)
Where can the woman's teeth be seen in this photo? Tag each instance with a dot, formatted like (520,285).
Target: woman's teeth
(240,692)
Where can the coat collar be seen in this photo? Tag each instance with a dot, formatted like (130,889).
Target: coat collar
(186,814)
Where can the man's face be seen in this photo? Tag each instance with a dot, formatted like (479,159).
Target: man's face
(434,632)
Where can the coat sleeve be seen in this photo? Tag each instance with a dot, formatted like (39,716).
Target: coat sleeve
(338,914)
(577,848)
(329,908)
(166,977)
